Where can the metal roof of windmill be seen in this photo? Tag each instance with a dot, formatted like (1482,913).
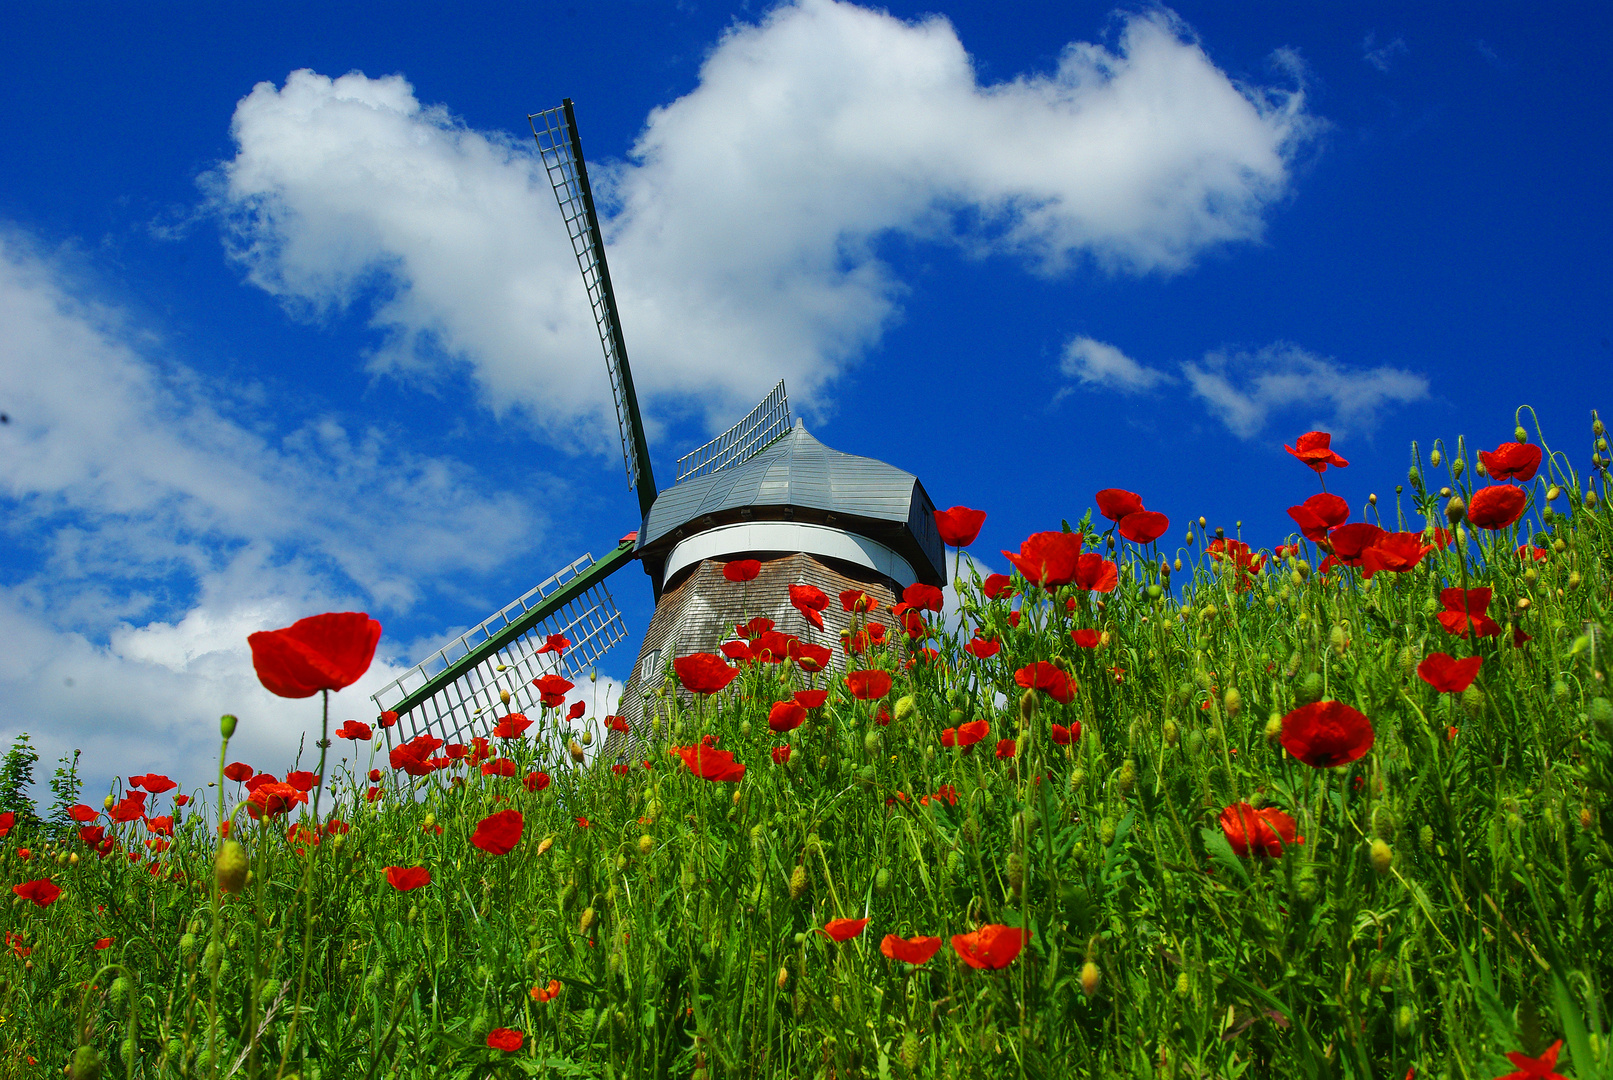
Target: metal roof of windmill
(797,472)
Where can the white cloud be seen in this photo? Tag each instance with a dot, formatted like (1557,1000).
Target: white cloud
(1246,389)
(1381,56)
(1095,363)
(742,228)
(162,518)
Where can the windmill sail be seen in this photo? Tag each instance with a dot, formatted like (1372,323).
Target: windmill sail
(561,149)
(766,422)
(453,693)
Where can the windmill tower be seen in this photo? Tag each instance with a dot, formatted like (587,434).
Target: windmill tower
(763,489)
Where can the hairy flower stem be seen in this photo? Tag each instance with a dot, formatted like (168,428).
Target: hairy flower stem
(307,883)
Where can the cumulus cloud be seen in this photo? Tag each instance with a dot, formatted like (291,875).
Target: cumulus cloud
(1096,363)
(742,226)
(158,517)
(1245,389)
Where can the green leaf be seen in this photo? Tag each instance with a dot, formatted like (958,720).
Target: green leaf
(1221,854)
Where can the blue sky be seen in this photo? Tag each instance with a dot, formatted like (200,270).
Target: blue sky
(291,325)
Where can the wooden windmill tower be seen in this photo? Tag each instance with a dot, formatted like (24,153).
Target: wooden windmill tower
(761,490)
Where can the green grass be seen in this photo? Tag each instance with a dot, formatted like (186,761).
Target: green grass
(670,924)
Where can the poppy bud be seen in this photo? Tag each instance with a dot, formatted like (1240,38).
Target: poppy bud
(576,751)
(86,1064)
(1128,776)
(871,742)
(1455,510)
(1171,733)
(1016,872)
(905,707)
(798,882)
(1189,540)
(1089,978)
(1339,637)
(226,725)
(1232,701)
(1106,829)
(586,923)
(1184,985)
(646,844)
(1027,705)
(109,802)
(910,1051)
(1382,856)
(783,977)
(1202,522)
(504,696)
(230,867)
(1425,837)
(1274,727)
(1434,458)
(1473,700)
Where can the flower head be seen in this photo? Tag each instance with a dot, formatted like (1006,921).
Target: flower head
(709,763)
(810,601)
(1143,527)
(1497,506)
(1048,559)
(506,1039)
(497,834)
(42,892)
(1465,611)
(1319,513)
(1447,674)
(868,685)
(1260,832)
(913,950)
(959,526)
(1314,449)
(703,672)
(1543,1067)
(786,715)
(323,652)
(1397,552)
(511,726)
(843,929)
(1116,503)
(355,731)
(741,570)
(405,878)
(1044,676)
(1511,461)
(555,643)
(1326,733)
(991,947)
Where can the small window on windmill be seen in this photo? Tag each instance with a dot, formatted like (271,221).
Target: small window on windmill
(649,671)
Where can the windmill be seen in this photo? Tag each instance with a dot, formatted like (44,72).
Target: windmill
(763,489)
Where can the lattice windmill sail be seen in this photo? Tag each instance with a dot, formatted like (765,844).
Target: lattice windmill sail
(763,489)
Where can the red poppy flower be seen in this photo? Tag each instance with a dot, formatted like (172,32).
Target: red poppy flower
(741,570)
(511,726)
(1447,674)
(982,649)
(945,792)
(1245,563)
(709,764)
(1048,559)
(552,688)
(1314,449)
(1086,639)
(1519,637)
(616,723)
(405,878)
(990,948)
(923,597)
(1064,736)
(1007,748)
(810,657)
(1261,832)
(302,781)
(1397,552)
(260,779)
(1458,621)
(507,1039)
(354,730)
(868,685)
(555,643)
(1349,541)
(786,716)
(843,929)
(237,771)
(1094,573)
(857,600)
(8,819)
(913,950)
(809,600)
(738,651)
(80,813)
(1497,506)
(1044,676)
(1319,513)
(1511,461)
(129,808)
(811,699)
(102,943)
(1116,503)
(161,826)
(576,710)
(536,781)
(1326,733)
(497,834)
(371,794)
(155,783)
(996,585)
(972,732)
(541,994)
(42,892)
(1143,527)
(959,525)
(781,754)
(753,629)
(324,652)
(1543,1067)
(704,673)
(774,647)
(1529,551)
(499,766)
(274,799)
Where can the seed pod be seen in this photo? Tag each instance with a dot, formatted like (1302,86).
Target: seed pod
(1171,733)
(576,751)
(1027,705)
(910,1051)
(1473,700)
(1306,886)
(905,707)
(504,696)
(1232,701)
(1308,691)
(882,881)
(1128,776)
(1090,976)
(230,867)
(1339,637)
(871,742)
(1455,510)
(1405,1018)
(586,923)
(798,882)
(954,862)
(1382,856)
(1106,830)
(86,1064)
(1016,872)
(1184,985)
